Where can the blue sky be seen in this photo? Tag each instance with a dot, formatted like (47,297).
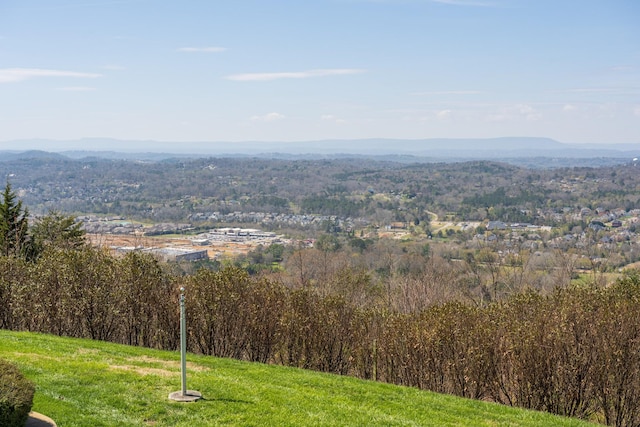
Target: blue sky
(294,70)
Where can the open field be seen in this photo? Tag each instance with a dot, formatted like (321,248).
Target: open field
(91,383)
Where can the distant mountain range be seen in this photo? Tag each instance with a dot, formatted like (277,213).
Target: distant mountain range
(393,149)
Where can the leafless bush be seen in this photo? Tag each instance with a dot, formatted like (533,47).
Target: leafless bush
(217,313)
(575,351)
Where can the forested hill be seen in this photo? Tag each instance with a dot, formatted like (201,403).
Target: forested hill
(374,190)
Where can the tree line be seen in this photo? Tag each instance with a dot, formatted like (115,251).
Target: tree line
(573,352)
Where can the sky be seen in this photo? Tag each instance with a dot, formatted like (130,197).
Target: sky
(299,70)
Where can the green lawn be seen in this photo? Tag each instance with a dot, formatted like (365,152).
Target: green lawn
(91,383)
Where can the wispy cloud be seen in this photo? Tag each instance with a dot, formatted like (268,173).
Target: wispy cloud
(332,118)
(263,77)
(12,75)
(270,117)
(528,112)
(209,49)
(589,90)
(515,112)
(443,115)
(76,89)
(450,92)
(621,68)
(605,90)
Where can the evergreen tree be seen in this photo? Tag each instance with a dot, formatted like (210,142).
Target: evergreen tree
(56,230)
(14,226)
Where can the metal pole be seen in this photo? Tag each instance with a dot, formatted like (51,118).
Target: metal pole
(183,344)
(184,395)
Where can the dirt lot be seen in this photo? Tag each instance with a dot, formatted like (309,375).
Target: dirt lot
(214,250)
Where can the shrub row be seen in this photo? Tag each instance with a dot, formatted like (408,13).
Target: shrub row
(575,352)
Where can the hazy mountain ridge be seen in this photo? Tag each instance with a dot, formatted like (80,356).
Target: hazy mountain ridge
(439,149)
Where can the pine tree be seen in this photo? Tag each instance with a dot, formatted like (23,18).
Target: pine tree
(14,226)
(56,230)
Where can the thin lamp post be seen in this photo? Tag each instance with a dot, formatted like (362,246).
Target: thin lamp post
(184,395)
(183,343)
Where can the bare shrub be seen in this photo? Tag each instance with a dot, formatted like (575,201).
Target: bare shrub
(617,378)
(218,315)
(265,303)
(148,299)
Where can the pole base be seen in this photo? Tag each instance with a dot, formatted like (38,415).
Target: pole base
(191,396)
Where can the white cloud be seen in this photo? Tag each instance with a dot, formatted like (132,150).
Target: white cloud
(210,49)
(496,118)
(622,68)
(443,115)
(569,107)
(636,111)
(451,92)
(270,117)
(12,75)
(515,112)
(615,91)
(263,77)
(332,118)
(528,112)
(76,88)
(589,90)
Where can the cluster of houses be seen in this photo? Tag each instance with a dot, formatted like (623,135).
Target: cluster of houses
(280,219)
(602,227)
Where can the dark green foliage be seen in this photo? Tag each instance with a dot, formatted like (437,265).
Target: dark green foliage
(360,244)
(56,230)
(330,205)
(328,243)
(276,251)
(16,396)
(500,197)
(14,226)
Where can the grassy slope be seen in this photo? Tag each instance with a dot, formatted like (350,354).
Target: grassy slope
(91,383)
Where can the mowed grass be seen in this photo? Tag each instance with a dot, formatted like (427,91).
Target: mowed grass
(91,383)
